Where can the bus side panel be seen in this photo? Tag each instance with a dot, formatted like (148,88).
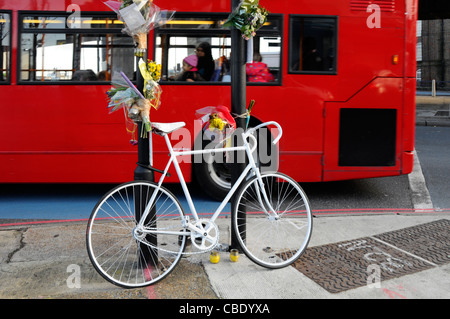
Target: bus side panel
(363,136)
(66,167)
(61,118)
(52,138)
(302,167)
(366,53)
(300,109)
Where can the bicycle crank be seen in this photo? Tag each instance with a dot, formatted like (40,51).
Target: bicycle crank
(204,234)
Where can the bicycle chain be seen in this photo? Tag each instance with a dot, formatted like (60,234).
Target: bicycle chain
(144,241)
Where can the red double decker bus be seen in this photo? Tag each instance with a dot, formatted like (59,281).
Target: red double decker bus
(342,85)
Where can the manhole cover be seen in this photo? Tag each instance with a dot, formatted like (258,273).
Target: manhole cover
(346,265)
(429,241)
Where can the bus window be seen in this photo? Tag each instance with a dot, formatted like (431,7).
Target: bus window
(5,47)
(196,34)
(312,44)
(88,50)
(208,50)
(267,50)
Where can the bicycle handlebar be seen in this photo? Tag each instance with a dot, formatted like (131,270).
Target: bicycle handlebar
(275,141)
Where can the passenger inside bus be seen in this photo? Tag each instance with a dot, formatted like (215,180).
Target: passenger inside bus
(103,76)
(84,75)
(222,72)
(257,71)
(205,64)
(312,60)
(190,71)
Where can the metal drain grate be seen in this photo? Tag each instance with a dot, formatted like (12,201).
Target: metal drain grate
(342,266)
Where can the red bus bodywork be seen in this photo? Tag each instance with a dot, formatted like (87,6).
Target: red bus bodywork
(63,133)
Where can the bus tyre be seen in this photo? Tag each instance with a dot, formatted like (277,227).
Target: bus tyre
(213,173)
(213,177)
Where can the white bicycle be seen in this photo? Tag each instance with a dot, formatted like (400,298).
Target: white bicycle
(138,231)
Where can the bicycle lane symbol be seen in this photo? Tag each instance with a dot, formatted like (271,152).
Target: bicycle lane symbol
(377,258)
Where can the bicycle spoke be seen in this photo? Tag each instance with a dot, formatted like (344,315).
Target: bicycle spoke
(115,251)
(273,240)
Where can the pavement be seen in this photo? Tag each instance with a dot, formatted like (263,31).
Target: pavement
(433,111)
(363,254)
(49,261)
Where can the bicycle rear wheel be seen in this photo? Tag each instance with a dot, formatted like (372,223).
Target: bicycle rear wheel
(119,251)
(270,241)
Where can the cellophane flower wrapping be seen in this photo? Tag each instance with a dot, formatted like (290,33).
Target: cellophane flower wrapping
(139,18)
(123,95)
(248,17)
(120,95)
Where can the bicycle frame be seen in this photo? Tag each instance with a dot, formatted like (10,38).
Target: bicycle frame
(250,166)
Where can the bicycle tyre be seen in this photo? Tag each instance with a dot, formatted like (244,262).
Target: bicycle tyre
(268,242)
(112,247)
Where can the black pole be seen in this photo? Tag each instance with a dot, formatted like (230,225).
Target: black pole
(142,173)
(238,106)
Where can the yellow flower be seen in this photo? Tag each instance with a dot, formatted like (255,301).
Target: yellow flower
(154,69)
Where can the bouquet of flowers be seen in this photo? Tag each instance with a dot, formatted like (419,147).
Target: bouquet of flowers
(139,17)
(218,122)
(151,72)
(248,17)
(124,95)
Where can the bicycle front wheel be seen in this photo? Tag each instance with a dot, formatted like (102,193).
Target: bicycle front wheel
(124,254)
(274,232)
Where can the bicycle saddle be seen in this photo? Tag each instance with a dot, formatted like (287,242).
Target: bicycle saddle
(166,128)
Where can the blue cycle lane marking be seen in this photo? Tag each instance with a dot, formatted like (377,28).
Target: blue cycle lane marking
(67,202)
